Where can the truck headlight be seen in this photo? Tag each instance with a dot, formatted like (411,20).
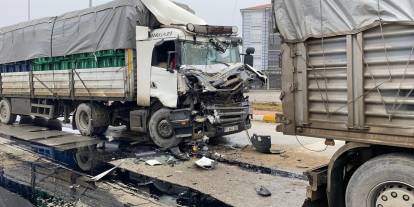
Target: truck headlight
(190,27)
(235,30)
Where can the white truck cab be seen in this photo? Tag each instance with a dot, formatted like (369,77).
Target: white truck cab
(195,72)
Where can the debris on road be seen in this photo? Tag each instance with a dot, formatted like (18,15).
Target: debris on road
(171,161)
(102,175)
(279,151)
(206,163)
(153,162)
(261,143)
(262,191)
(176,152)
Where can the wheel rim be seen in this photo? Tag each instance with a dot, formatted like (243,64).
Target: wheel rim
(165,129)
(83,120)
(392,194)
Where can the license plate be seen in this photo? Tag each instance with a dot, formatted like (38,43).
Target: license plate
(231,129)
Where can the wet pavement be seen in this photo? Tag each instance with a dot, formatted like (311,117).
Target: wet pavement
(235,179)
(9,199)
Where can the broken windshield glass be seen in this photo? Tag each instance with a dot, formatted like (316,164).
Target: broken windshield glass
(207,54)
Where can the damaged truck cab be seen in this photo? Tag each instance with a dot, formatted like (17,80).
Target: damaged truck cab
(196,83)
(150,65)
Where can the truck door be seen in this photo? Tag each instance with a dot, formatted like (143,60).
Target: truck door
(164,74)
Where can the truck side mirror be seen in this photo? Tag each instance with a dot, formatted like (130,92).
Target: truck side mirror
(171,62)
(248,58)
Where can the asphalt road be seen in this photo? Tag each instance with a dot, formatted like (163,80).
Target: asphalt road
(262,128)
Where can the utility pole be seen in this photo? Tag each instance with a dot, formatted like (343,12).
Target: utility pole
(90,3)
(28,10)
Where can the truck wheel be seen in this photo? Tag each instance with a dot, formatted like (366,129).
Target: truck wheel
(6,116)
(84,158)
(85,122)
(161,130)
(385,181)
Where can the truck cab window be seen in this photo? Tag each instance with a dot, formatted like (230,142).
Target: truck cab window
(161,53)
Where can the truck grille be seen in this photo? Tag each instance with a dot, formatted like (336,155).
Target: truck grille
(224,114)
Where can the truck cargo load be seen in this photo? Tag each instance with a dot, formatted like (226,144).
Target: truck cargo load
(299,20)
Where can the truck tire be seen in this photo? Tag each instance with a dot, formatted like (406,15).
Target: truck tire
(6,116)
(161,131)
(84,158)
(91,119)
(387,180)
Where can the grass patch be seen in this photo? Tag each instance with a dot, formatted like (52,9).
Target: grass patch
(268,107)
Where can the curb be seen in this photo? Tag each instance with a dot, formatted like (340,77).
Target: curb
(268,118)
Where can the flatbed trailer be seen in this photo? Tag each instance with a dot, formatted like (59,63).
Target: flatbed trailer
(138,63)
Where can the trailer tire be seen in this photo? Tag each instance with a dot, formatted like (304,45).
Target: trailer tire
(161,131)
(91,119)
(387,180)
(6,116)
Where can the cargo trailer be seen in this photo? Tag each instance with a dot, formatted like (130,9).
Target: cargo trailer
(347,74)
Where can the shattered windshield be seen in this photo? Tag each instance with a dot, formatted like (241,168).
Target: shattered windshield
(207,54)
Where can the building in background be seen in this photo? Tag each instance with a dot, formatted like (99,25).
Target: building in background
(258,33)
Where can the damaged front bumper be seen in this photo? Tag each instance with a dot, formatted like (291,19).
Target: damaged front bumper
(214,103)
(218,120)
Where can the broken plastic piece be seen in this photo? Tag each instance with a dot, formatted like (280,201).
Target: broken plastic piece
(262,143)
(153,162)
(176,152)
(263,191)
(206,163)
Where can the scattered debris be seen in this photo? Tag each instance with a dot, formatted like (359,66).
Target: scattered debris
(176,152)
(261,143)
(277,151)
(102,175)
(153,162)
(235,146)
(145,154)
(206,163)
(171,161)
(262,191)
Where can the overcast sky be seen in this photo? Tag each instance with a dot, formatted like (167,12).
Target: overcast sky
(216,12)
